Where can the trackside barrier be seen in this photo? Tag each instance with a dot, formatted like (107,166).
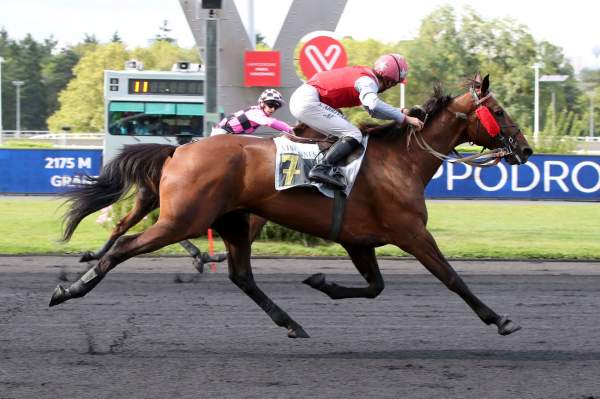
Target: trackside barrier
(544,177)
(45,171)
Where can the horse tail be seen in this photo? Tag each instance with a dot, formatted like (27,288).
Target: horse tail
(137,165)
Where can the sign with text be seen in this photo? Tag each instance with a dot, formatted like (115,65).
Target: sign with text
(45,171)
(262,68)
(559,177)
(322,53)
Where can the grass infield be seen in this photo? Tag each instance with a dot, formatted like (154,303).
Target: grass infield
(463,229)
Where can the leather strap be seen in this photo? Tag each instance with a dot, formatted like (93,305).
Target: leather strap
(337,217)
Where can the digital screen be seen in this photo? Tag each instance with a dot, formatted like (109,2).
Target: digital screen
(166,87)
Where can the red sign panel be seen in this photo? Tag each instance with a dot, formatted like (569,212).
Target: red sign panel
(262,68)
(322,53)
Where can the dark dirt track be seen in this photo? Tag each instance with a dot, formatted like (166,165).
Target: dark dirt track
(141,335)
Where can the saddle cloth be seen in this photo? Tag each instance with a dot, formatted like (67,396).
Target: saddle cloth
(294,160)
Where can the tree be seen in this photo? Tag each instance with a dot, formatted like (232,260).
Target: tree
(82,102)
(57,73)
(164,33)
(116,38)
(90,39)
(24,61)
(6,52)
(161,55)
(33,92)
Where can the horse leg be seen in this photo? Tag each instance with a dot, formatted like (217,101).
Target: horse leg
(234,229)
(145,202)
(200,258)
(366,263)
(425,249)
(156,237)
(256,225)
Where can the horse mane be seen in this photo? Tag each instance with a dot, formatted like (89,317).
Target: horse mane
(436,103)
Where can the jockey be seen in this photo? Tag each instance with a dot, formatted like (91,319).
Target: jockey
(248,120)
(317,101)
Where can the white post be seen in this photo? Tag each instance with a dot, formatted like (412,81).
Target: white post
(536,103)
(402,95)
(1,125)
(251,30)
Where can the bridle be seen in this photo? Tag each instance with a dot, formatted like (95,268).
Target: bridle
(483,159)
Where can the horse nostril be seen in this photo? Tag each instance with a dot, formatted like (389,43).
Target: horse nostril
(527,152)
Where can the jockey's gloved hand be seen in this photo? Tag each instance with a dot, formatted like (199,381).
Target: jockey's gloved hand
(414,122)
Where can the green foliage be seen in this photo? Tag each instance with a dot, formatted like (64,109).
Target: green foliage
(271,232)
(110,216)
(24,61)
(116,38)
(164,33)
(58,72)
(161,55)
(450,47)
(274,232)
(82,102)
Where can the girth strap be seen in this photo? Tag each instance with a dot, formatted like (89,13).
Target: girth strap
(337,216)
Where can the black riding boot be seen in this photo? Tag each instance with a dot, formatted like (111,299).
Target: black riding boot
(325,172)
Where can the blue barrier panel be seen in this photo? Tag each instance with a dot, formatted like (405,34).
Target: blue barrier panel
(45,171)
(562,177)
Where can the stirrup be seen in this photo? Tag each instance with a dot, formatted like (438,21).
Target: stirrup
(326,178)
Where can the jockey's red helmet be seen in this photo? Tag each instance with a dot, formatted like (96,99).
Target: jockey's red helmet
(392,67)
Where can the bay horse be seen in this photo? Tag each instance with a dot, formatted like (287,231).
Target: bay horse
(220,180)
(146,200)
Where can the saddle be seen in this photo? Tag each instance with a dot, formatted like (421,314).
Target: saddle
(306,135)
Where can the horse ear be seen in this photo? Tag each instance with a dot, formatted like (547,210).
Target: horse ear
(477,78)
(485,85)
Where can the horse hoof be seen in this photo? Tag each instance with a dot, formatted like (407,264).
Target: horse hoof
(217,258)
(316,281)
(87,256)
(297,332)
(58,296)
(506,326)
(199,265)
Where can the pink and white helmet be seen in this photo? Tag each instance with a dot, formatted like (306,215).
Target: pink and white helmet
(392,67)
(271,95)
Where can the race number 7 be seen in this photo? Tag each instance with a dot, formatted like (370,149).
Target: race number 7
(291,170)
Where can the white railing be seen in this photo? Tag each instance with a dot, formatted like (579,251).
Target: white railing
(588,139)
(57,139)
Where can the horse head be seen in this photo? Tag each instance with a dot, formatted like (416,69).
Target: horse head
(489,125)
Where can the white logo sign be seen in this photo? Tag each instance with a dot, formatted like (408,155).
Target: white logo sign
(323,62)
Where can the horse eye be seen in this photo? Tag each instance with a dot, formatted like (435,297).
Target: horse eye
(499,112)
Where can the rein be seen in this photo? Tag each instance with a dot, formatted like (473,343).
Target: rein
(482,160)
(309,140)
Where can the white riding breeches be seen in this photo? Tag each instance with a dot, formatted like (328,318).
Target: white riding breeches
(217,130)
(306,106)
